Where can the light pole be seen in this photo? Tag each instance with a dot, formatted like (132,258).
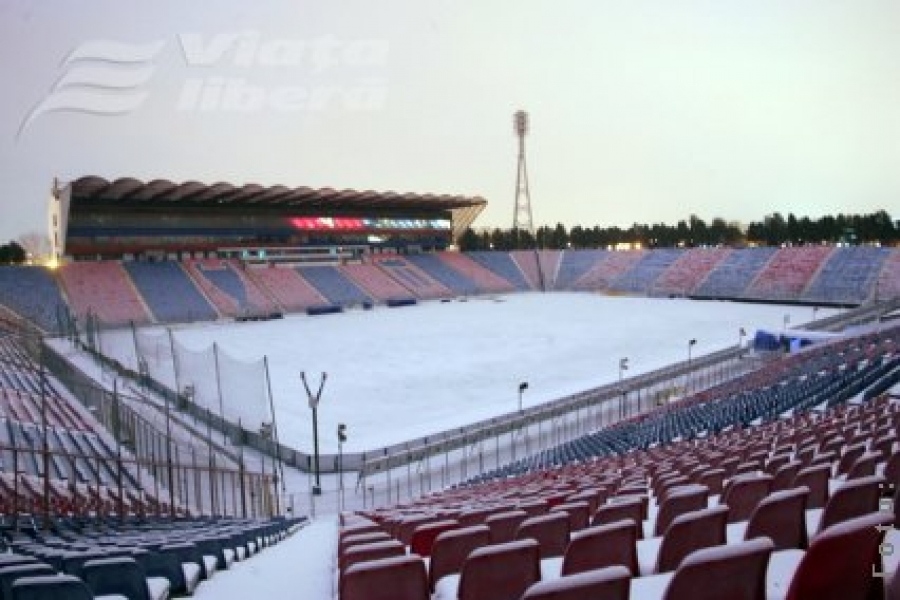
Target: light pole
(314,405)
(522,387)
(691,343)
(623,366)
(787,321)
(341,437)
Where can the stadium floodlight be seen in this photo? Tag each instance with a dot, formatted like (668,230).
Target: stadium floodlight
(314,406)
(342,437)
(691,343)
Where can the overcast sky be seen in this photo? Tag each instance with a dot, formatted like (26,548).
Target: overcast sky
(641,111)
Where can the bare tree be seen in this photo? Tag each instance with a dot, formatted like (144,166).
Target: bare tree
(36,245)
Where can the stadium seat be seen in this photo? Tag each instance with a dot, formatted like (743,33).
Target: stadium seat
(579,513)
(743,493)
(395,578)
(9,573)
(504,525)
(451,548)
(551,531)
(611,513)
(780,516)
(124,577)
(733,572)
(688,532)
(495,572)
(424,535)
(852,499)
(610,583)
(680,500)
(50,587)
(373,551)
(827,571)
(602,546)
(815,479)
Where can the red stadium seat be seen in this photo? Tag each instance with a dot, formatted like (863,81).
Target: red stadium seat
(610,583)
(398,578)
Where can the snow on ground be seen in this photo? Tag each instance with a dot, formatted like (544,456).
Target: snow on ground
(396,374)
(301,566)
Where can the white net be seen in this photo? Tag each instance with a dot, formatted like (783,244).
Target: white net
(155,351)
(236,389)
(244,391)
(197,370)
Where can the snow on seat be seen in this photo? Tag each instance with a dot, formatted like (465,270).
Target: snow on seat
(827,571)
(734,571)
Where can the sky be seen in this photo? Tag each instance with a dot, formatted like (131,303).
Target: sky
(641,111)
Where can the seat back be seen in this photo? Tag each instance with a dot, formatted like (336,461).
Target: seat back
(165,564)
(783,478)
(500,571)
(713,480)
(10,573)
(451,548)
(815,479)
(780,516)
(373,551)
(602,546)
(424,535)
(407,526)
(504,525)
(121,576)
(534,507)
(828,571)
(699,529)
(854,498)
(681,500)
(611,583)
(743,494)
(50,587)
(610,513)
(734,571)
(892,469)
(551,531)
(395,578)
(579,514)
(362,538)
(864,466)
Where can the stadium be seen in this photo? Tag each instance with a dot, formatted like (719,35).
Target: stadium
(134,393)
(274,337)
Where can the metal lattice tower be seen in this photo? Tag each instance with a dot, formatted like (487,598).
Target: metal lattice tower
(522,210)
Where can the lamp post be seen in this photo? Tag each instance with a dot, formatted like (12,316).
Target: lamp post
(623,366)
(341,437)
(691,343)
(787,321)
(314,405)
(522,387)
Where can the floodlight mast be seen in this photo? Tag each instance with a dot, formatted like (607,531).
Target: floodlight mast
(522,213)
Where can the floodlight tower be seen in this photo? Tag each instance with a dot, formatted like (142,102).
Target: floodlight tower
(522,212)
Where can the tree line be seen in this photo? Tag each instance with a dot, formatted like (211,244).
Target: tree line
(773,230)
(12,254)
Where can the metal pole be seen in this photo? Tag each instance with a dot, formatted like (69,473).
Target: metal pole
(313,404)
(116,423)
(278,468)
(44,441)
(219,390)
(169,430)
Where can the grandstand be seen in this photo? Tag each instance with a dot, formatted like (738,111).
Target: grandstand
(743,478)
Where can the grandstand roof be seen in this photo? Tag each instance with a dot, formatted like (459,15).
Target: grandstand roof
(97,191)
